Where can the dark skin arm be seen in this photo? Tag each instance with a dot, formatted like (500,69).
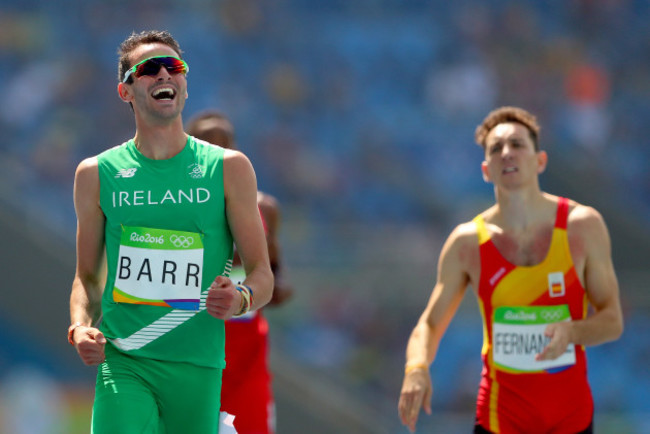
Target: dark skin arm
(270,210)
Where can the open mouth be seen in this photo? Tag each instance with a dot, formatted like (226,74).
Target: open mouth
(510,170)
(164,94)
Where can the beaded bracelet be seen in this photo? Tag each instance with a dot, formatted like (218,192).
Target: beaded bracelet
(246,299)
(250,292)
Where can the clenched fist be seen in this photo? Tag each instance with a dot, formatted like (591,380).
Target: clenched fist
(89,343)
(224,300)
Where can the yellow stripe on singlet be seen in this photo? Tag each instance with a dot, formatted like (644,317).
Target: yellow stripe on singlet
(481,230)
(533,278)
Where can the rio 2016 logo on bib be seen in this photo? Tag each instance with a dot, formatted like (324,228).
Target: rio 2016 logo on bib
(159,267)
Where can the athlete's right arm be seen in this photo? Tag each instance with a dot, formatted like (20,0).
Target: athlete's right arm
(423,343)
(85,297)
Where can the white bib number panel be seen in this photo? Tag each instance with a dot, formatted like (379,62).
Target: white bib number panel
(159,267)
(518,336)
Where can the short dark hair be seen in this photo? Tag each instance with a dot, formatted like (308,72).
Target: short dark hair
(137,39)
(508,114)
(211,120)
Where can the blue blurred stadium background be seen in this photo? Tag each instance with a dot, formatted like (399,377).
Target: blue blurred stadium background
(359,116)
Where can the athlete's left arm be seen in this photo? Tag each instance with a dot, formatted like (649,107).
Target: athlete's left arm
(606,322)
(270,209)
(246,225)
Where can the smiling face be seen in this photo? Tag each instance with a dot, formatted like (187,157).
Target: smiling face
(155,98)
(510,157)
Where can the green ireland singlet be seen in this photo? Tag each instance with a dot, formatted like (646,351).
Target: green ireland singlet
(167,238)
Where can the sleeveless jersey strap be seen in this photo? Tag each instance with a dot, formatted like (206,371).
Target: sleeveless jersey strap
(562,218)
(481,230)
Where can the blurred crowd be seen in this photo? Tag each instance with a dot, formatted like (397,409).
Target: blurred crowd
(357,115)
(372,103)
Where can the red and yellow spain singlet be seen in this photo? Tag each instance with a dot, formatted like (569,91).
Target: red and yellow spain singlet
(518,394)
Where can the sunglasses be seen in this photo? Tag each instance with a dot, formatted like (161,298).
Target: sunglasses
(152,65)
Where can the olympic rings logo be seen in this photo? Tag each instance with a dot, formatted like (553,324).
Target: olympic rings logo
(181,240)
(196,171)
(551,315)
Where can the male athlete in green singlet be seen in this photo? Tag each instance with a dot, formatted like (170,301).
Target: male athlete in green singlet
(165,209)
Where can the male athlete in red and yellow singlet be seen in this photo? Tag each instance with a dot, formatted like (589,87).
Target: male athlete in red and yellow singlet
(536,262)
(246,384)
(514,322)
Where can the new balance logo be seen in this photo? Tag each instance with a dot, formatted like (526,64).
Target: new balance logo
(126,173)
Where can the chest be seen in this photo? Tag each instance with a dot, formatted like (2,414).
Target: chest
(526,248)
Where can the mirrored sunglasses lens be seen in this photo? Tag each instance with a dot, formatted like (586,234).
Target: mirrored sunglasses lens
(174,65)
(152,66)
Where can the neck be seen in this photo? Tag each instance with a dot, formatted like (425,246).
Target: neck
(519,210)
(160,142)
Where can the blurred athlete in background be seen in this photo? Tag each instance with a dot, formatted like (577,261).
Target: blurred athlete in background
(535,261)
(246,391)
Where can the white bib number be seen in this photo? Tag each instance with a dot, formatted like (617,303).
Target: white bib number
(159,267)
(518,336)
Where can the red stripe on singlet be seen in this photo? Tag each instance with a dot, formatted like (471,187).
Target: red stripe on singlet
(562,218)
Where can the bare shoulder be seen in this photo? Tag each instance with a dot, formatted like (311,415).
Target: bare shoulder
(464,232)
(88,166)
(585,220)
(240,182)
(588,234)
(87,175)
(462,242)
(233,156)
(237,160)
(459,259)
(86,187)
(238,172)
